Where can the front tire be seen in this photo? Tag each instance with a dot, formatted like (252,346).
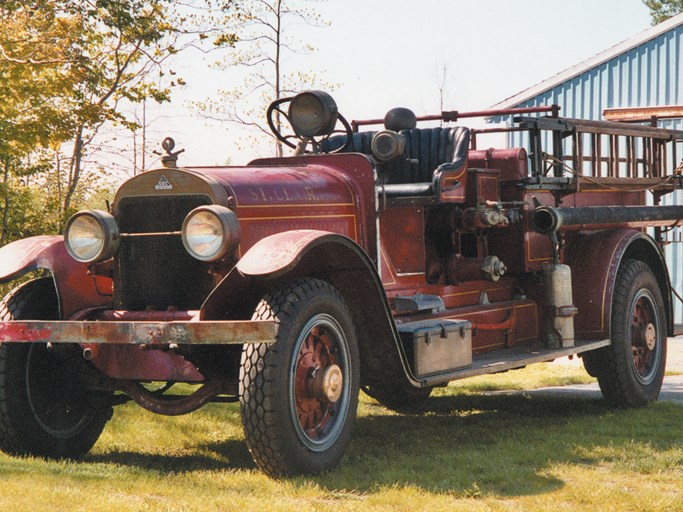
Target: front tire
(631,370)
(44,408)
(299,395)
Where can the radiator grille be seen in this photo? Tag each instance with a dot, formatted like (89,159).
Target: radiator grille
(157,272)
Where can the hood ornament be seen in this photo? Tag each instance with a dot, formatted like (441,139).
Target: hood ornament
(170,159)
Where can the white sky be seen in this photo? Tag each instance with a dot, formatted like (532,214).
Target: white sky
(386,53)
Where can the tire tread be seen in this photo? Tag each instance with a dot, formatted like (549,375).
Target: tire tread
(259,364)
(611,364)
(19,434)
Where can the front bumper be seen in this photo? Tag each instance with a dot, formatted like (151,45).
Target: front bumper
(139,332)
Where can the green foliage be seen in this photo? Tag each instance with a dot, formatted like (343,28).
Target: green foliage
(34,200)
(65,68)
(662,10)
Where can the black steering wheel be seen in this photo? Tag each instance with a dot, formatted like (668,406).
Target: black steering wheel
(300,143)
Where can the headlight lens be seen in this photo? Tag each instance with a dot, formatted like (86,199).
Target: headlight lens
(91,236)
(211,232)
(313,113)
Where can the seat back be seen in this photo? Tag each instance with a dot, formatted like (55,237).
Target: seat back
(361,142)
(435,150)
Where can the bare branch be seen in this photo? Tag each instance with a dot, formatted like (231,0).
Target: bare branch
(261,48)
(46,62)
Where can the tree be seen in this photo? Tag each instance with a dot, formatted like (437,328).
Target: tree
(127,42)
(66,67)
(444,81)
(33,54)
(260,47)
(662,10)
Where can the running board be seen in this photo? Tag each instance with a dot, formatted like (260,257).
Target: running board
(511,358)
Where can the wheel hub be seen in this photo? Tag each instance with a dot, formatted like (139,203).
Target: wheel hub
(650,336)
(327,384)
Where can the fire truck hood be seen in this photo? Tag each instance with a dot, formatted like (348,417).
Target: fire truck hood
(247,187)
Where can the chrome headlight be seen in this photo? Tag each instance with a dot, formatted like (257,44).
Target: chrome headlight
(91,236)
(211,232)
(313,113)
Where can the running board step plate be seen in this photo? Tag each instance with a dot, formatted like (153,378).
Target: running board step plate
(511,358)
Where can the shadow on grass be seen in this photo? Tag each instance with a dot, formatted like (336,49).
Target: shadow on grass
(463,445)
(495,444)
(219,456)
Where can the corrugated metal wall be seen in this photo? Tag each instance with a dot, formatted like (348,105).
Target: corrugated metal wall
(647,75)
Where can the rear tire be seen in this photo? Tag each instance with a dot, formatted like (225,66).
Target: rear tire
(630,371)
(44,408)
(297,421)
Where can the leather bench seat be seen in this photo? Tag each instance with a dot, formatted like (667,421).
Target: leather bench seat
(429,152)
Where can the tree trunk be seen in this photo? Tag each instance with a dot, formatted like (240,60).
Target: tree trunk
(6,205)
(278,44)
(58,178)
(74,175)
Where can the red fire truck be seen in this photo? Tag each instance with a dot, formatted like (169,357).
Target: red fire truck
(389,260)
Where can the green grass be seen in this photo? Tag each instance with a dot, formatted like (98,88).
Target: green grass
(469,451)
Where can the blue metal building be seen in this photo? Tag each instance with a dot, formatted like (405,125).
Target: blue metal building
(644,71)
(638,78)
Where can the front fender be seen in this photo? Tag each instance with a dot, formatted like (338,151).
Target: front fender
(595,259)
(278,254)
(18,258)
(284,256)
(76,288)
(335,259)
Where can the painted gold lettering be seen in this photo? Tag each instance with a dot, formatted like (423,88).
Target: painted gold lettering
(277,195)
(310,195)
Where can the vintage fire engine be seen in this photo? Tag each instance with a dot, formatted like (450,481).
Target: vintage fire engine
(391,261)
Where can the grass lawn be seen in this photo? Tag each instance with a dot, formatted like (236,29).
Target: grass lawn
(469,451)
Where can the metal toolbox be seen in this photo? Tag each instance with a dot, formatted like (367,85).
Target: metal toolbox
(436,346)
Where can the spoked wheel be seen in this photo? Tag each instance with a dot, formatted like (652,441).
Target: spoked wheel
(630,371)
(319,391)
(299,395)
(645,348)
(45,410)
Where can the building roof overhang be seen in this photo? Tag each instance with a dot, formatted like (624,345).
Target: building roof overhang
(590,63)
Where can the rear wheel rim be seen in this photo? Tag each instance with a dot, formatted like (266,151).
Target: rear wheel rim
(321,348)
(645,333)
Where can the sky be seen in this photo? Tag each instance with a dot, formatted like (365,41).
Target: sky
(383,54)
